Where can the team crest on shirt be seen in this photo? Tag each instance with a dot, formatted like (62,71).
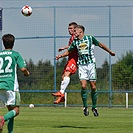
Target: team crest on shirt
(83,46)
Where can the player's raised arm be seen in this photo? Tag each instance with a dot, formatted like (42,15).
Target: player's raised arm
(63,48)
(101,45)
(66,53)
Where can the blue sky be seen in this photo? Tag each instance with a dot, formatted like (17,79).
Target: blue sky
(40,24)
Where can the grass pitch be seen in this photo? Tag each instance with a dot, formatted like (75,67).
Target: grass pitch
(71,120)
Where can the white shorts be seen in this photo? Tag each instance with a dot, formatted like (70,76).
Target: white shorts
(9,97)
(87,72)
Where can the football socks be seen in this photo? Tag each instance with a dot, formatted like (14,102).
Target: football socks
(84,97)
(94,98)
(9,115)
(64,84)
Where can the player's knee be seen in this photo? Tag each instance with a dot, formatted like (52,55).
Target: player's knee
(93,88)
(84,86)
(17,111)
(93,85)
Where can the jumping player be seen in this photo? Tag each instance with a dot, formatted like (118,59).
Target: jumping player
(70,67)
(86,64)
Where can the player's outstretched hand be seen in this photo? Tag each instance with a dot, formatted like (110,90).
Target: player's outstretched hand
(27,73)
(58,56)
(112,53)
(63,48)
(60,49)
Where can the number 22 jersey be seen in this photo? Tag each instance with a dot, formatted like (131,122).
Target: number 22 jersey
(9,60)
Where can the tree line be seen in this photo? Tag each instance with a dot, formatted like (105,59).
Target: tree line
(42,75)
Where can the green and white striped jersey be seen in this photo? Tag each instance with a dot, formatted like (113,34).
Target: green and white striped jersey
(85,49)
(9,60)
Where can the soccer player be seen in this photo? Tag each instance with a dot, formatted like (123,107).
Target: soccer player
(9,88)
(70,67)
(86,64)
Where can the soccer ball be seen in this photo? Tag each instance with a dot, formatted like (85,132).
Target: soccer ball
(26,10)
(31,105)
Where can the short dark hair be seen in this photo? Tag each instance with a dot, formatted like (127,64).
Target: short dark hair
(73,23)
(81,27)
(8,40)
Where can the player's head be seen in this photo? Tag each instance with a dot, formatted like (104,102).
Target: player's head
(79,30)
(8,41)
(71,27)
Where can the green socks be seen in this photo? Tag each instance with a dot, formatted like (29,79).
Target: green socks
(10,125)
(94,98)
(84,97)
(9,117)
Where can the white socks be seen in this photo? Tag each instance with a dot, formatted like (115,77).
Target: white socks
(64,84)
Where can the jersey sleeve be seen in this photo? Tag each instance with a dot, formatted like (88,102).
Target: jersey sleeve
(95,41)
(20,61)
(72,47)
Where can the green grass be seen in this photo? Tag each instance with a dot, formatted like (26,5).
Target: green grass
(71,120)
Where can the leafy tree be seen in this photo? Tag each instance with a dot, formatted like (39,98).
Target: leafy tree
(39,75)
(123,72)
